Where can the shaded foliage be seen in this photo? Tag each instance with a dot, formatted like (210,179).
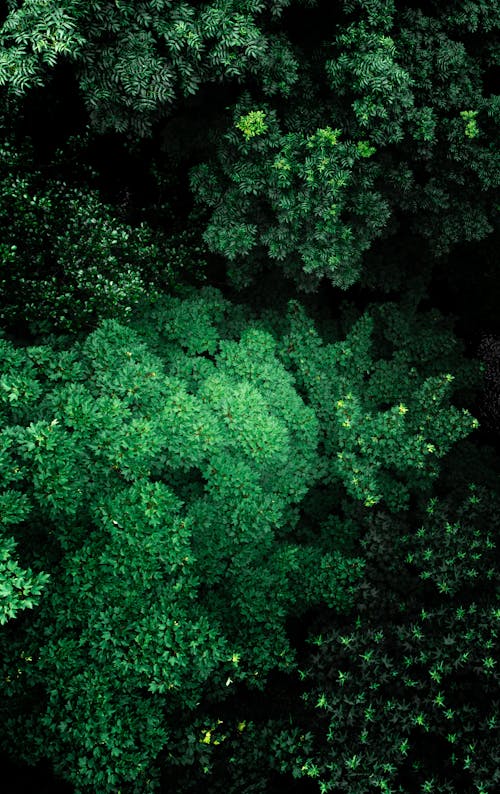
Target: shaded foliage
(405,697)
(248,534)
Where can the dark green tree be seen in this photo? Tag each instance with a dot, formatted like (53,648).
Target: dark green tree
(20,587)
(66,257)
(404,697)
(134,60)
(183,478)
(384,124)
(381,386)
(423,622)
(390,129)
(290,192)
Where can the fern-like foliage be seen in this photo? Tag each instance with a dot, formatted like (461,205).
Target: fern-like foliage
(135,59)
(406,695)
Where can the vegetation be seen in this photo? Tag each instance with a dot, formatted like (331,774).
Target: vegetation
(249,461)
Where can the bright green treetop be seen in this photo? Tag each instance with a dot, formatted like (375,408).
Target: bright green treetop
(160,491)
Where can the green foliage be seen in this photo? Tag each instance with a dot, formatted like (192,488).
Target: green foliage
(164,469)
(231,753)
(462,165)
(372,133)
(20,588)
(476,16)
(390,85)
(66,260)
(185,479)
(34,34)
(406,695)
(471,128)
(252,124)
(133,60)
(290,193)
(173,470)
(381,391)
(367,68)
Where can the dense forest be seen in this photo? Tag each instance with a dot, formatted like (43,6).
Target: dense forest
(250,396)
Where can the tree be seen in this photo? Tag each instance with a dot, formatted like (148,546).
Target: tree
(20,587)
(288,192)
(390,129)
(66,258)
(160,492)
(188,483)
(429,579)
(135,60)
(380,386)
(163,467)
(384,125)
(406,694)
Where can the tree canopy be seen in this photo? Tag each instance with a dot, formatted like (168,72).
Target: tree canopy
(249,439)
